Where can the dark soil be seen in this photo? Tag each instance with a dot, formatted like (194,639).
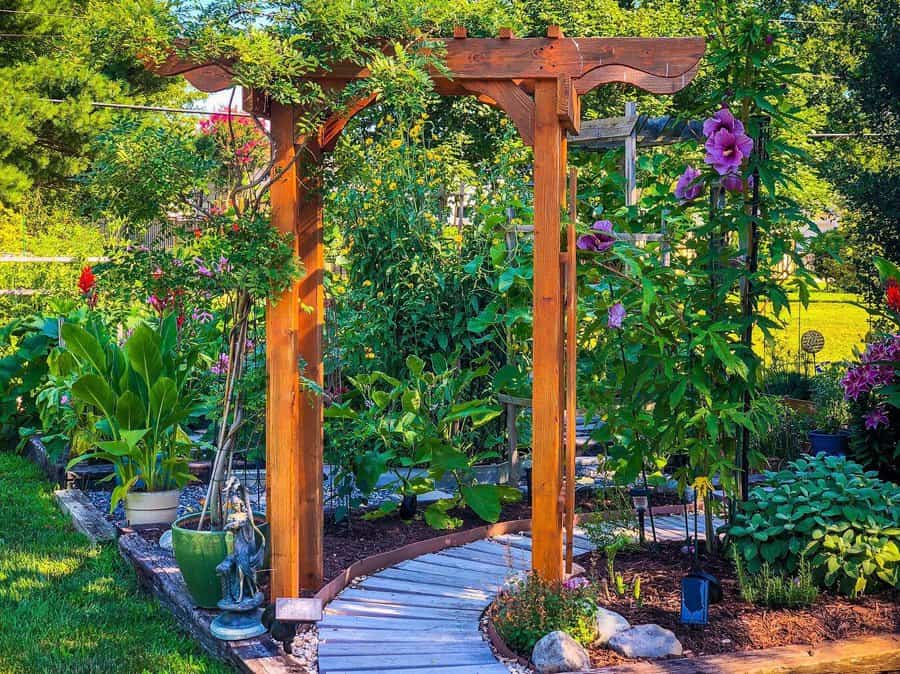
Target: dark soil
(349,542)
(734,625)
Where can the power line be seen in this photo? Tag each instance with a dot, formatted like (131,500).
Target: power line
(151,108)
(33,13)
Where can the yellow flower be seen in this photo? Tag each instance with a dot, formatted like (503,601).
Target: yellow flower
(368,141)
(379,295)
(366,283)
(392,186)
(377,181)
(397,142)
(420,181)
(703,486)
(415,131)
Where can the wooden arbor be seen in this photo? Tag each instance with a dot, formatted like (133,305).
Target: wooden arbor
(537,82)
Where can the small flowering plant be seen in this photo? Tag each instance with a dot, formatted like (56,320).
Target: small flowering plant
(872,386)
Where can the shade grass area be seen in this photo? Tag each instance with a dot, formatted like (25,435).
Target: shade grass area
(837,316)
(66,606)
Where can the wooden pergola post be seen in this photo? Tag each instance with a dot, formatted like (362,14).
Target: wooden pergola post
(537,82)
(547,399)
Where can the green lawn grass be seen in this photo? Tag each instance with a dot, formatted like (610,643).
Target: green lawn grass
(842,323)
(69,608)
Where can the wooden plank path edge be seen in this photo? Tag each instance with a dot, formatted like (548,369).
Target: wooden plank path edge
(423,614)
(878,653)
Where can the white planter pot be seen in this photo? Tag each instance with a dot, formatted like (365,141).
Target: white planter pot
(152,507)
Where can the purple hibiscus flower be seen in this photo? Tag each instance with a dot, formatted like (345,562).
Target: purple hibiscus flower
(600,238)
(688,186)
(875,418)
(732,182)
(723,119)
(725,150)
(615,315)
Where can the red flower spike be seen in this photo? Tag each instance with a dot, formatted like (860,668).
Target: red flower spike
(87,280)
(892,294)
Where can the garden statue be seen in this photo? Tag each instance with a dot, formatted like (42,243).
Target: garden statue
(241,596)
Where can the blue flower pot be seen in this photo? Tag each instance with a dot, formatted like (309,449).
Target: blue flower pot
(831,444)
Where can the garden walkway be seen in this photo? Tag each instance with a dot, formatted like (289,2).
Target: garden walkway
(422,616)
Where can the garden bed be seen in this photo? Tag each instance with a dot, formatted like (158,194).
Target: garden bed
(734,625)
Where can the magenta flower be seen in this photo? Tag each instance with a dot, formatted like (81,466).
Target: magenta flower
(725,150)
(64,399)
(600,238)
(875,418)
(575,582)
(688,186)
(220,366)
(615,315)
(875,369)
(732,182)
(723,119)
(223,265)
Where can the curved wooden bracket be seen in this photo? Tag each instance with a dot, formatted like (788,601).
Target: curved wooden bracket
(642,80)
(513,100)
(334,125)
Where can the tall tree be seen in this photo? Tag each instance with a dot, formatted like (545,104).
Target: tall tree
(68,50)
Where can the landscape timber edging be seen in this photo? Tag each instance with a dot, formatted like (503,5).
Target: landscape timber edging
(871,654)
(85,516)
(158,573)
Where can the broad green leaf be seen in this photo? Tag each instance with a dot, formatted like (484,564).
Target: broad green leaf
(93,390)
(483,499)
(144,354)
(131,413)
(84,345)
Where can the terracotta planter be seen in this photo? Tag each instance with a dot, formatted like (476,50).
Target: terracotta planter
(152,507)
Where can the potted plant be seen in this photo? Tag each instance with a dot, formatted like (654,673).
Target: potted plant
(139,392)
(829,434)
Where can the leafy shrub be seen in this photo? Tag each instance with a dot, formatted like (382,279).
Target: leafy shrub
(534,608)
(826,509)
(776,590)
(832,409)
(605,527)
(784,438)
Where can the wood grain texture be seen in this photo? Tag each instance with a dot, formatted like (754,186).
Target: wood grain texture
(510,98)
(283,401)
(547,399)
(867,655)
(85,516)
(571,366)
(310,350)
(508,59)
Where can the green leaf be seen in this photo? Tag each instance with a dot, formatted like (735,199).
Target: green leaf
(84,345)
(436,515)
(163,402)
(131,413)
(93,390)
(483,499)
(144,354)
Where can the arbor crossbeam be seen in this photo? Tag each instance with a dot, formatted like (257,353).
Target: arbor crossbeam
(537,82)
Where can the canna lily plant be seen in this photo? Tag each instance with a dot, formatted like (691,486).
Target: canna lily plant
(140,394)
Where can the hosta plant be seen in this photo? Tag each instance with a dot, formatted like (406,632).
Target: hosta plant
(845,522)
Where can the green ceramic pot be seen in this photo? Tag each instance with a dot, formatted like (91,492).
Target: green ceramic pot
(198,553)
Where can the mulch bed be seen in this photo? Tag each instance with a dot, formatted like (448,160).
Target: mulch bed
(734,625)
(346,543)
